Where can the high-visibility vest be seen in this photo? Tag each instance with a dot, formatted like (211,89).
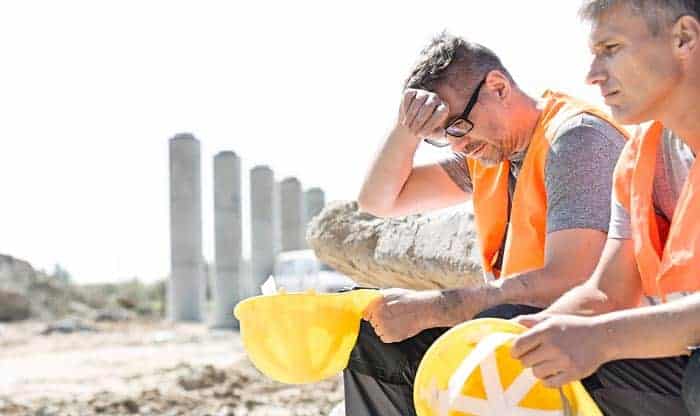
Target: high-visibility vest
(525,244)
(666,254)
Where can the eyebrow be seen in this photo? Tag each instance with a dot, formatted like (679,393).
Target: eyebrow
(603,40)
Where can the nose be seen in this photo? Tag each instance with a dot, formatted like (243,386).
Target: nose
(596,73)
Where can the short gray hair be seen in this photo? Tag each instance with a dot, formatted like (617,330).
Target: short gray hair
(455,61)
(658,13)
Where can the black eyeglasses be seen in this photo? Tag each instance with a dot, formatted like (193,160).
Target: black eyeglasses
(461,126)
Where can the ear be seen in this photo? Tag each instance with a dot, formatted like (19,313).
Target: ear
(499,84)
(686,37)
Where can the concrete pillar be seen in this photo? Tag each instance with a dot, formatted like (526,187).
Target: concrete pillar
(186,276)
(276,220)
(314,201)
(262,255)
(228,237)
(291,215)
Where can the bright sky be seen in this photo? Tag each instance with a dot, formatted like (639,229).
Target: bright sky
(91,91)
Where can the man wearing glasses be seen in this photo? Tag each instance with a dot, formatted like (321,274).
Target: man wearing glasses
(539,172)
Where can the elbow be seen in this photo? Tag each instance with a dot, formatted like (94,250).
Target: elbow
(596,300)
(566,282)
(375,203)
(373,207)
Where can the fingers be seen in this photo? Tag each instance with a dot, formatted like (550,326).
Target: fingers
(536,356)
(423,112)
(546,369)
(524,344)
(435,125)
(530,320)
(558,380)
(546,365)
(413,109)
(440,116)
(371,308)
(408,97)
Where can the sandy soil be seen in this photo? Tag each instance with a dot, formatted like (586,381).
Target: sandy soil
(146,368)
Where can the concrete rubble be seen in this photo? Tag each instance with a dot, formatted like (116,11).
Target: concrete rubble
(415,252)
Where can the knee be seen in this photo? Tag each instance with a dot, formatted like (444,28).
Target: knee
(372,357)
(369,350)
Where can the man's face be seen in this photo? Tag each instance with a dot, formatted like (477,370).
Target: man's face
(634,69)
(488,141)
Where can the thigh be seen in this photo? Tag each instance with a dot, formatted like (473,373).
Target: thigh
(395,362)
(379,377)
(691,384)
(398,362)
(369,396)
(640,387)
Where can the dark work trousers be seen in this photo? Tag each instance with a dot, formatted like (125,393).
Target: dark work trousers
(379,377)
(664,386)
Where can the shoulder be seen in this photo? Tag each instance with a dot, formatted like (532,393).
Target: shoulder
(586,141)
(587,128)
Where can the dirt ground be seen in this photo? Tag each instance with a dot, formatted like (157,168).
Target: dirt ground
(144,368)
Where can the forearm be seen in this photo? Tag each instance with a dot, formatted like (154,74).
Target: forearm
(389,172)
(582,300)
(538,288)
(614,285)
(651,332)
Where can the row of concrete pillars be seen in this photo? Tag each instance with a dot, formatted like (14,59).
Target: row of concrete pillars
(279,211)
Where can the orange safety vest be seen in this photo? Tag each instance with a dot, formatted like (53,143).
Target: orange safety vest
(525,244)
(665,253)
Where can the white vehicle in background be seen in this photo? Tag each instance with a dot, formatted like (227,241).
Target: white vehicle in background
(301,270)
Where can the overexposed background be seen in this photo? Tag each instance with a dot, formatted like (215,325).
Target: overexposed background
(91,91)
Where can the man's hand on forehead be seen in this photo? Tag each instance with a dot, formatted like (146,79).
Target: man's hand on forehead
(424,113)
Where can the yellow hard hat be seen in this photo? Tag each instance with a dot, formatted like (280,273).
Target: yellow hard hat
(447,383)
(302,337)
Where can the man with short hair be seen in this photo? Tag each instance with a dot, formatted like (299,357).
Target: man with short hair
(647,66)
(539,172)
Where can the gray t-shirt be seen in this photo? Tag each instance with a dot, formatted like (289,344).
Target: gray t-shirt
(578,174)
(673,162)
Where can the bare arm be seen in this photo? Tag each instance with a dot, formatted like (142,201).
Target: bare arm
(393,186)
(540,287)
(654,331)
(614,285)
(562,347)
(402,313)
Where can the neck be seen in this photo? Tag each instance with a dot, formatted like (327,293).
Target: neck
(682,115)
(525,121)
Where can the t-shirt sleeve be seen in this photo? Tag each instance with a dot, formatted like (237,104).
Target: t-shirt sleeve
(620,222)
(456,168)
(579,174)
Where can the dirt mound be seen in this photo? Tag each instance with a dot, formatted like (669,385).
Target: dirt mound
(29,293)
